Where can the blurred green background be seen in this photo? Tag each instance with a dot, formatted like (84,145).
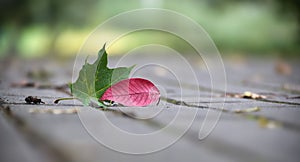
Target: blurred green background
(36,28)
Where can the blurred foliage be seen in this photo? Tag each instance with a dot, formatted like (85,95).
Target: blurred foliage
(39,27)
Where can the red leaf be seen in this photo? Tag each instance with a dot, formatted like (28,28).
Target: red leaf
(132,92)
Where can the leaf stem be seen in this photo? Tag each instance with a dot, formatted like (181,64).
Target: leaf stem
(61,99)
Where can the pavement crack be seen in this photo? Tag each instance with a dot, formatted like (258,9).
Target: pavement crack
(263,121)
(43,145)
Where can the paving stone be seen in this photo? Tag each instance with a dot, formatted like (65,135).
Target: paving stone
(270,134)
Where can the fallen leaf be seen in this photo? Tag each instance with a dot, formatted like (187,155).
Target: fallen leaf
(132,92)
(248,110)
(283,68)
(248,94)
(267,123)
(95,78)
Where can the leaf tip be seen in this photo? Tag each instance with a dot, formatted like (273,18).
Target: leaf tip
(133,66)
(70,86)
(86,60)
(102,50)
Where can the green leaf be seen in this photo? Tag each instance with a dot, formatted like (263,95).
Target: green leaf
(95,78)
(106,77)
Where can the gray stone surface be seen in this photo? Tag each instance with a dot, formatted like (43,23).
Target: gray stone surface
(270,134)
